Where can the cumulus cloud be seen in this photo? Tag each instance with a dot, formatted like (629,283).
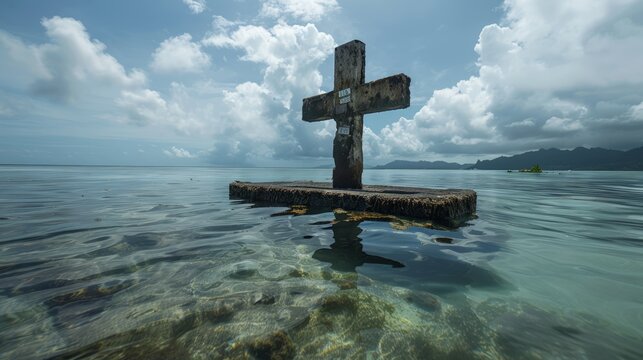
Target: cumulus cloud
(552,73)
(143,106)
(61,68)
(292,55)
(306,10)
(21,63)
(181,110)
(196,6)
(177,152)
(250,122)
(179,54)
(263,120)
(72,66)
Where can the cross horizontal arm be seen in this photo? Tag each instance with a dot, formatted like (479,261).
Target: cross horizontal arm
(385,94)
(318,108)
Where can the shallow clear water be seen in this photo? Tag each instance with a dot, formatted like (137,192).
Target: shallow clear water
(126,262)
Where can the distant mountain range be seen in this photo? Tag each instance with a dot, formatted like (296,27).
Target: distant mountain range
(439,165)
(549,159)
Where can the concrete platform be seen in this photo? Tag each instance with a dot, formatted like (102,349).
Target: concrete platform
(447,207)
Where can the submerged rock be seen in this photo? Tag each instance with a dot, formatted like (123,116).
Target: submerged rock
(444,240)
(346,284)
(420,345)
(422,299)
(89,293)
(298,273)
(276,346)
(264,299)
(345,325)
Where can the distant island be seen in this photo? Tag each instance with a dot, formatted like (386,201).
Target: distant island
(536,169)
(579,158)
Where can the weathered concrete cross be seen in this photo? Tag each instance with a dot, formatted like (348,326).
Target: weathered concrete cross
(348,103)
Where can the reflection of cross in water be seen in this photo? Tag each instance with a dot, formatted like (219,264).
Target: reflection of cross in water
(345,254)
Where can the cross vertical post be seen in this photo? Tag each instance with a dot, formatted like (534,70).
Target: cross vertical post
(347,149)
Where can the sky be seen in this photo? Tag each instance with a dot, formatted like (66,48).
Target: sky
(221,83)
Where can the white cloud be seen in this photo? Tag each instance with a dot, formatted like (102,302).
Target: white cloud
(552,72)
(184,110)
(636,111)
(73,58)
(249,104)
(557,124)
(222,24)
(306,10)
(522,123)
(196,6)
(457,115)
(70,64)
(178,152)
(292,55)
(143,106)
(21,63)
(179,54)
(263,120)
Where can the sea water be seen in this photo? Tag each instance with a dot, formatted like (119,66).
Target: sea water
(159,262)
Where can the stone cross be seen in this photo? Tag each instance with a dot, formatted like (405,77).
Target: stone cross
(348,103)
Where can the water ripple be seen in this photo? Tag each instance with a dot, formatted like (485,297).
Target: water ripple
(160,263)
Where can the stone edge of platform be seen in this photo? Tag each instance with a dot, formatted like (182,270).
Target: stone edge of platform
(448,210)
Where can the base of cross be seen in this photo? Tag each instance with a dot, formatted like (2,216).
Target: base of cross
(448,207)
